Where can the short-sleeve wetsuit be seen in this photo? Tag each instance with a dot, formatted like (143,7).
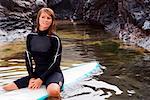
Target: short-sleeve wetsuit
(46,54)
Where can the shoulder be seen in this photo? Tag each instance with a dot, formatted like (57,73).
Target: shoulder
(55,37)
(31,35)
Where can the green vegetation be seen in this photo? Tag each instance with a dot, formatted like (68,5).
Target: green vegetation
(11,50)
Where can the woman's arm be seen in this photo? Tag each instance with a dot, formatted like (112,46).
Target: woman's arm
(28,57)
(28,62)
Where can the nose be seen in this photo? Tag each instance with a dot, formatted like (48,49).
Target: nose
(45,20)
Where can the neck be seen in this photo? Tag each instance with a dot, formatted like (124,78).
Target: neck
(43,32)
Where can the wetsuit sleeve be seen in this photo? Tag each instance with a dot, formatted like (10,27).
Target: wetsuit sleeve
(56,57)
(28,57)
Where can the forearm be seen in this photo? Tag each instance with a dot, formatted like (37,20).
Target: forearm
(29,64)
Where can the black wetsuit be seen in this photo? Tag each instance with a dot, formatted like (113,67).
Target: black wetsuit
(46,54)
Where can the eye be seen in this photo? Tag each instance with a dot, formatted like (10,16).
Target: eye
(49,18)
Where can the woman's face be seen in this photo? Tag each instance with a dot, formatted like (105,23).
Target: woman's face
(45,21)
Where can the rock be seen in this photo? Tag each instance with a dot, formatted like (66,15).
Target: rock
(53,2)
(40,3)
(111,14)
(15,14)
(134,35)
(146,25)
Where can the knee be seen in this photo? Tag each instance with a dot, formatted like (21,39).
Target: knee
(53,90)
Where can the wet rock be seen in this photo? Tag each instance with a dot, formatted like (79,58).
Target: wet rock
(99,12)
(15,14)
(53,2)
(10,36)
(133,35)
(35,8)
(111,14)
(40,3)
(114,14)
(146,25)
(63,8)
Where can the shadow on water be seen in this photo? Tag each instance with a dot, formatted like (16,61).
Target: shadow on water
(127,67)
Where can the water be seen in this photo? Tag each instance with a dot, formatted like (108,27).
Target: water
(127,67)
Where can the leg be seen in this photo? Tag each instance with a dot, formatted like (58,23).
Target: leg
(54,84)
(9,87)
(20,83)
(53,98)
(53,90)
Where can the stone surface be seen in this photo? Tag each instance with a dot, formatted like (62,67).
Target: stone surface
(111,14)
(15,14)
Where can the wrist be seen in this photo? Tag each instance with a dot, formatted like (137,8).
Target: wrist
(40,79)
(32,78)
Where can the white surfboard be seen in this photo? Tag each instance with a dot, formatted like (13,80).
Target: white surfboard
(71,76)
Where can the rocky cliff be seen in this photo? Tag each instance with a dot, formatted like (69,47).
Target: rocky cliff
(15,14)
(128,18)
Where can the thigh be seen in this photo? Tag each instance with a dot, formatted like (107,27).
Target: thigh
(55,78)
(22,82)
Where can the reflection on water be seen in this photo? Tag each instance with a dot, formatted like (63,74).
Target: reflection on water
(10,73)
(127,67)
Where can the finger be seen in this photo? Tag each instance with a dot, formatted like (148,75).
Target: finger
(38,86)
(30,85)
(34,86)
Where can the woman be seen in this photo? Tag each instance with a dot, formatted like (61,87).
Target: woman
(44,47)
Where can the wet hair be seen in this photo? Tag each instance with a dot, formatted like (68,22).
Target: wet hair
(50,12)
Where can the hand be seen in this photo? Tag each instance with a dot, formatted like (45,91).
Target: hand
(36,84)
(31,81)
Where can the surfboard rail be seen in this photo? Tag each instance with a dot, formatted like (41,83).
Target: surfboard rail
(71,76)
(77,73)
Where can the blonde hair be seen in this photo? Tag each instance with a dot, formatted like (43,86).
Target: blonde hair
(50,12)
